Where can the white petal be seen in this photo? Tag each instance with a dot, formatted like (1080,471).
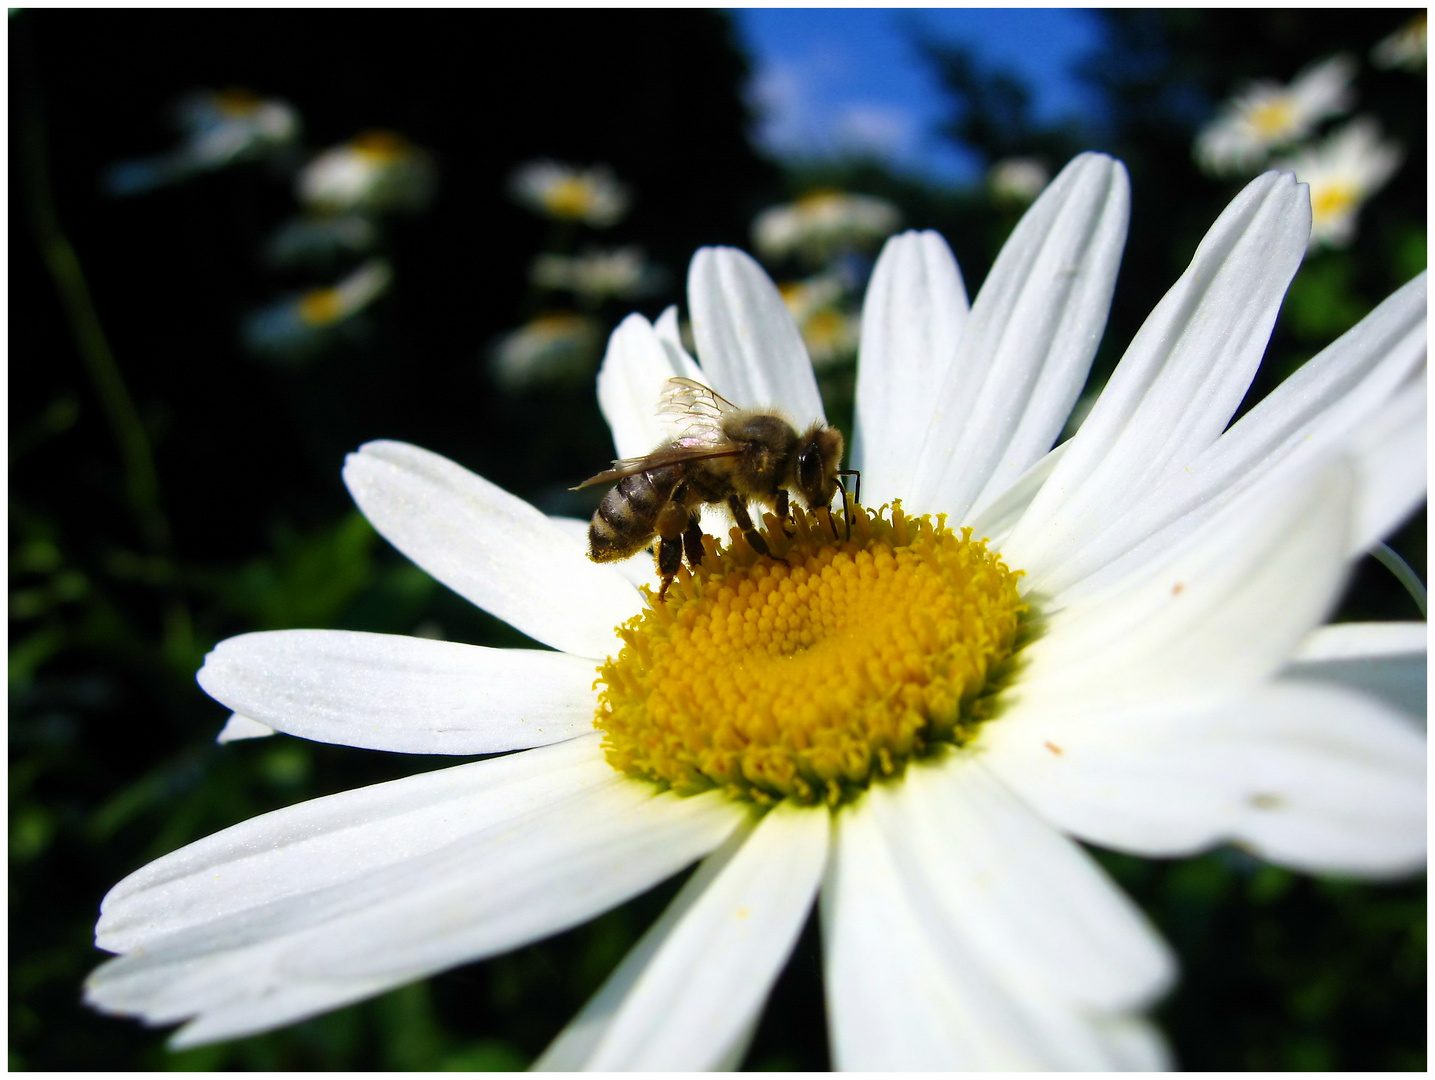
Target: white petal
(636,569)
(1222,610)
(490,547)
(1345,396)
(315,844)
(1181,379)
(635,369)
(412,695)
(905,993)
(669,334)
(303,909)
(700,981)
(1387,660)
(574,1046)
(1033,330)
(912,320)
(242,727)
(1312,776)
(1135,1044)
(1391,460)
(995,521)
(1031,903)
(667,325)
(747,340)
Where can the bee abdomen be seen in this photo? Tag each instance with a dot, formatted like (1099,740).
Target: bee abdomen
(624,522)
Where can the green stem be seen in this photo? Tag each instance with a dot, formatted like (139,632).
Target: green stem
(141,476)
(1388,558)
(141,479)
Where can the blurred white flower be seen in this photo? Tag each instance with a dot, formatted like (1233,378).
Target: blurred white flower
(1017,179)
(220,128)
(567,193)
(829,331)
(1404,49)
(822,223)
(298,327)
(1265,116)
(1343,170)
(320,239)
(555,347)
(596,274)
(373,173)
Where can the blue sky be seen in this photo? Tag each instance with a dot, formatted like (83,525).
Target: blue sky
(828,79)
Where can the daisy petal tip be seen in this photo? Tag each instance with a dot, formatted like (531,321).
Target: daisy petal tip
(239,728)
(382,449)
(356,462)
(634,323)
(1094,167)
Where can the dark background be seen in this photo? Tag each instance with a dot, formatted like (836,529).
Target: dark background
(116,593)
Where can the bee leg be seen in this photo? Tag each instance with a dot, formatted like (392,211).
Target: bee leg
(670,557)
(782,510)
(693,541)
(749,531)
(669,526)
(856,498)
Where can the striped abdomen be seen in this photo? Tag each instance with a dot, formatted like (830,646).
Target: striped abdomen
(626,519)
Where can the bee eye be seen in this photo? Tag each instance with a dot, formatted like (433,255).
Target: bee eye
(809,469)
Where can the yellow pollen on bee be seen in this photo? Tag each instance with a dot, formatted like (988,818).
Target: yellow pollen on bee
(811,674)
(1272,118)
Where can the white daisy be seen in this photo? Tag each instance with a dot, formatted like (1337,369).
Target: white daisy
(300,325)
(320,239)
(595,275)
(566,193)
(1173,687)
(556,346)
(220,128)
(373,173)
(1017,179)
(1343,171)
(829,331)
(823,222)
(1404,49)
(1265,116)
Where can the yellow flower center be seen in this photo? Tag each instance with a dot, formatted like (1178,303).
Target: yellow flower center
(826,329)
(320,307)
(380,147)
(819,200)
(811,673)
(571,197)
(237,102)
(1331,200)
(1272,119)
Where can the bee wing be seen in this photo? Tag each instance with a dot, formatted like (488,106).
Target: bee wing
(694,409)
(674,453)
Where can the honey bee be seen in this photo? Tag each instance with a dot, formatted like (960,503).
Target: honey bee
(724,455)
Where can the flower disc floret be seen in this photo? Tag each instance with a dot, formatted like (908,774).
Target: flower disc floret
(811,674)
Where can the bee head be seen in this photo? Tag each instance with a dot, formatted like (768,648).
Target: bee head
(818,455)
